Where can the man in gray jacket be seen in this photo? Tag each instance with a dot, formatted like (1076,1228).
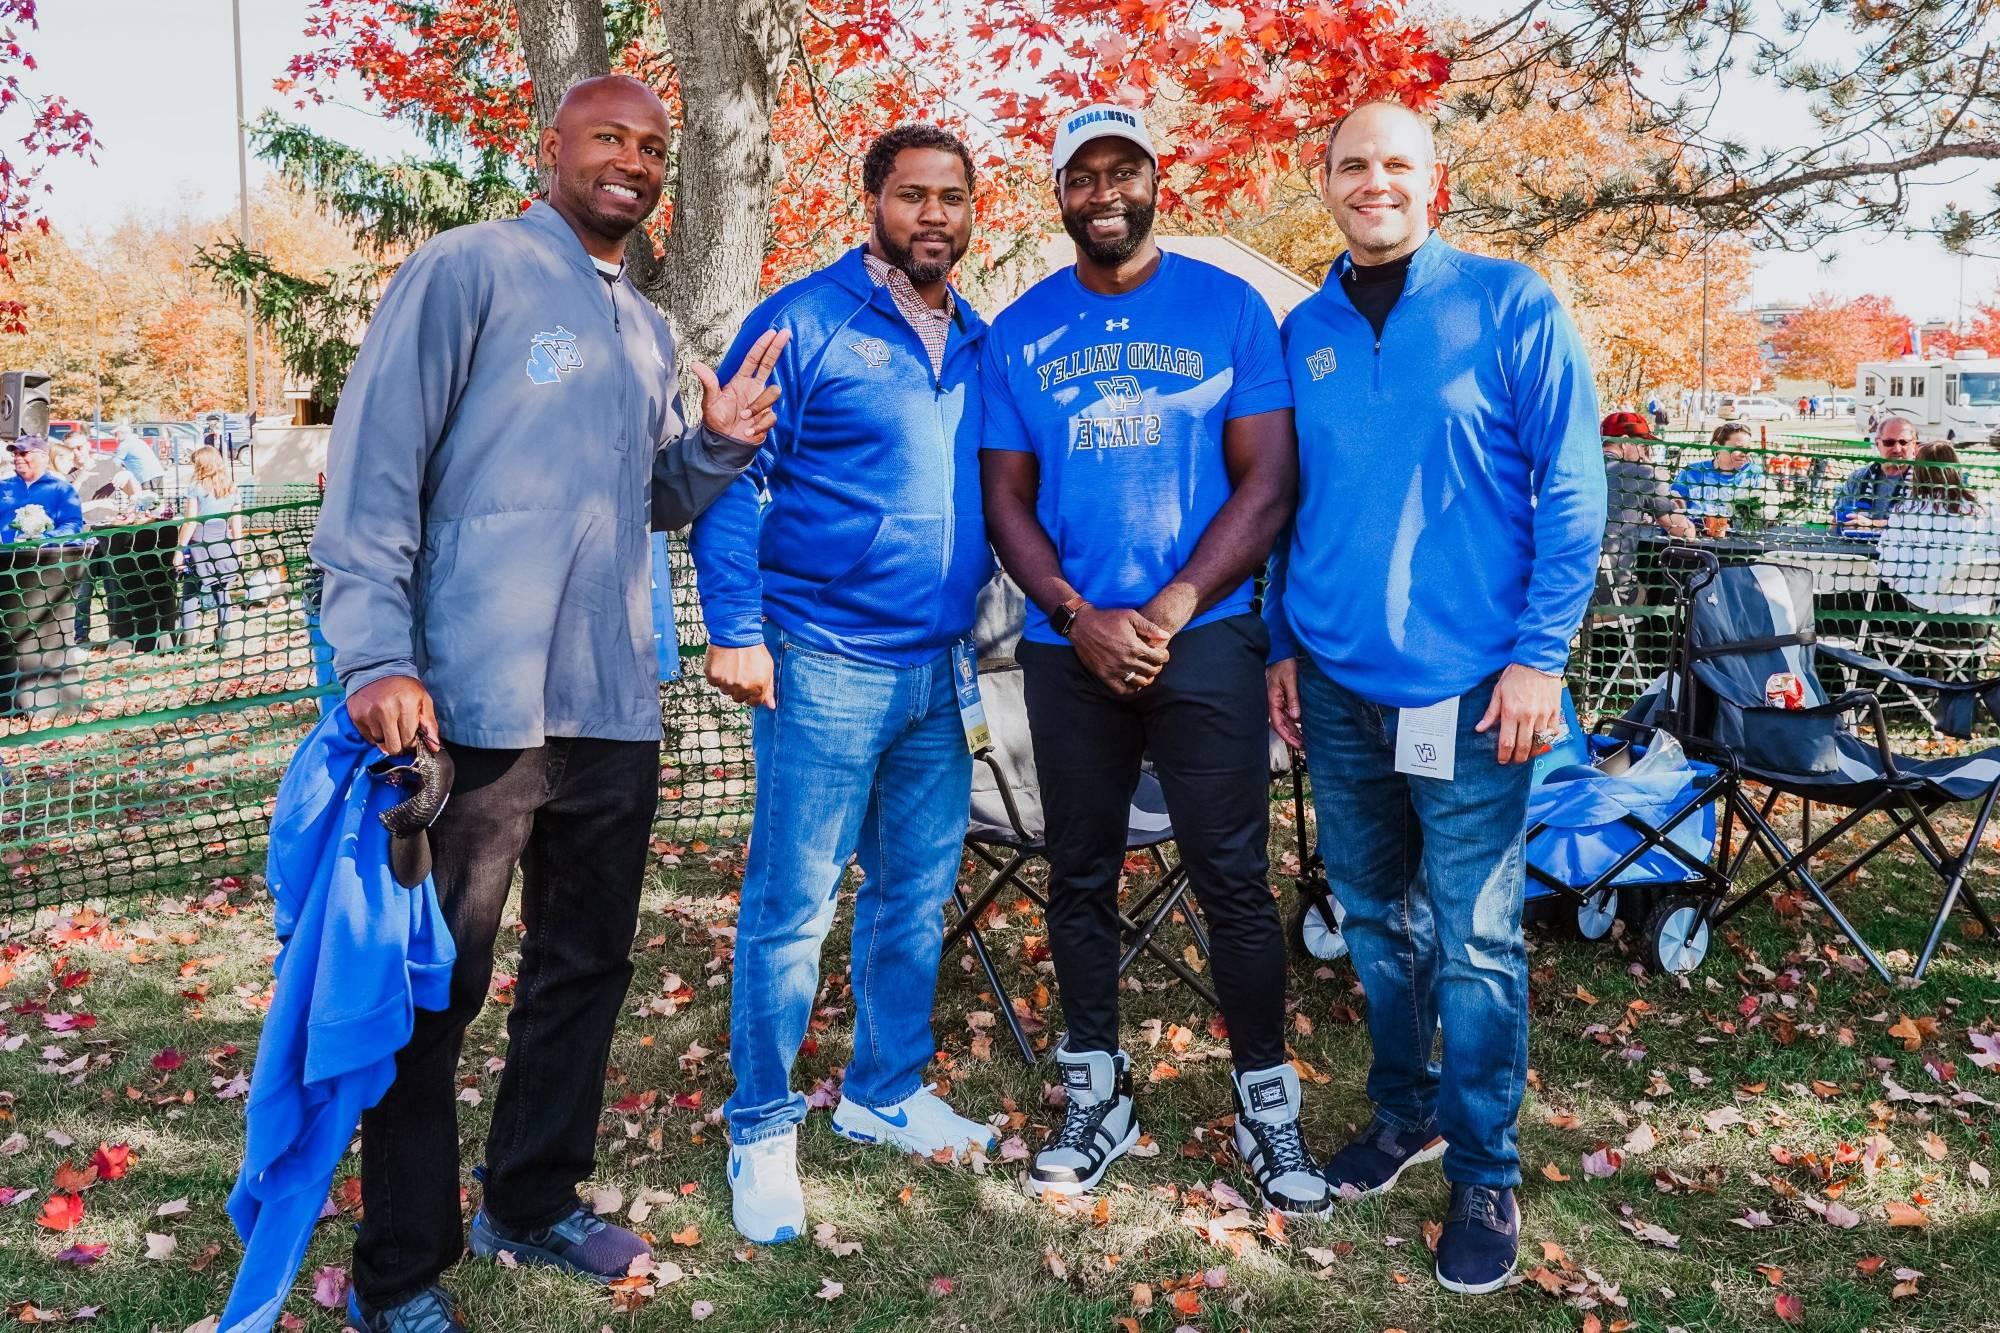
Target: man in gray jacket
(508,436)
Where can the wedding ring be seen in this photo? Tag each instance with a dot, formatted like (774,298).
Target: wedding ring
(1130,676)
(1547,737)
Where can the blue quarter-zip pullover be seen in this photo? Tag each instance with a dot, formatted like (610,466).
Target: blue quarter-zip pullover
(858,528)
(1451,484)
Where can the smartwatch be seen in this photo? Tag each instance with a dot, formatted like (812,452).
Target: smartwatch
(1063,619)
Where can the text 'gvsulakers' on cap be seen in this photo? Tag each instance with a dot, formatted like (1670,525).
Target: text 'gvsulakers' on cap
(1097,122)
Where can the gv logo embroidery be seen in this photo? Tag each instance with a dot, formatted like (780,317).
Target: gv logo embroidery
(1320,363)
(1121,392)
(873,351)
(552,355)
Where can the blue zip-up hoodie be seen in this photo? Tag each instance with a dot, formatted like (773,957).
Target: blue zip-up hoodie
(858,528)
(1451,482)
(359,955)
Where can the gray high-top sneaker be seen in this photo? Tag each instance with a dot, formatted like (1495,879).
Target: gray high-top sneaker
(1268,1139)
(1098,1125)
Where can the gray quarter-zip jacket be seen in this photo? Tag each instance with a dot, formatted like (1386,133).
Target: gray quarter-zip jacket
(509,435)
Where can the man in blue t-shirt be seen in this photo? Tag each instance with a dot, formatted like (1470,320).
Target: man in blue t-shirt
(1138,463)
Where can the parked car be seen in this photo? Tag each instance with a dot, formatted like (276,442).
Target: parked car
(173,441)
(1746,407)
(1839,404)
(100,437)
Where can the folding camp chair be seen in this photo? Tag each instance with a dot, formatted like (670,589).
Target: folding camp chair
(1741,626)
(1315,923)
(1006,829)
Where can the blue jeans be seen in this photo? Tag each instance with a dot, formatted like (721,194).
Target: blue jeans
(1429,876)
(855,759)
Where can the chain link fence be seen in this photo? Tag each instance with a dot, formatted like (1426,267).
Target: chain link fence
(151,690)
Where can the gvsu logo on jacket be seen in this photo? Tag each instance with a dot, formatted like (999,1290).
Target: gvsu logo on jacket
(552,355)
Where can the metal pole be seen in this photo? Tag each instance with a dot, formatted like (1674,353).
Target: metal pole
(1704,330)
(243,198)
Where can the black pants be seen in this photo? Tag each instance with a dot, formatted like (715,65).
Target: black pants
(1203,724)
(576,815)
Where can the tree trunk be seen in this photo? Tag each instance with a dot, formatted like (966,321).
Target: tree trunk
(731,57)
(563,43)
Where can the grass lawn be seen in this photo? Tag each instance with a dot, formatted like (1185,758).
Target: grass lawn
(1797,1145)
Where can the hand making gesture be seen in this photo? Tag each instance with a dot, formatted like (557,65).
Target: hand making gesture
(741,409)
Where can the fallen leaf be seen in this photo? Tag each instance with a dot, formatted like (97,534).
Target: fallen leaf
(827,1237)
(1603,1163)
(687,1237)
(1903,1215)
(1553,1172)
(1753,1220)
(1870,1265)
(700,1310)
(829,1290)
(606,1199)
(74,1179)
(81,1255)
(112,1160)
(1641,1139)
(1978,1175)
(160,1247)
(1838,1214)
(60,1211)
(171,1208)
(1789,1307)
(167,1060)
(330,1287)
(1187,1302)
(1772,1274)
(1057,1268)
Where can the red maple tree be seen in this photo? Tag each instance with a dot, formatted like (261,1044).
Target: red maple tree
(54,127)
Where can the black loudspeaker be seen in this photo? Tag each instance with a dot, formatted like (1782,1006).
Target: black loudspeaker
(24,403)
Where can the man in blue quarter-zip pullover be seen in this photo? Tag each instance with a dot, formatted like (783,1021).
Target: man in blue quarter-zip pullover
(1139,461)
(510,428)
(838,579)
(1451,503)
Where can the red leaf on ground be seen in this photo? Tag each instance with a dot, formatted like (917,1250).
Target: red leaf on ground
(167,1060)
(74,1179)
(1789,1307)
(112,1160)
(81,1255)
(60,1212)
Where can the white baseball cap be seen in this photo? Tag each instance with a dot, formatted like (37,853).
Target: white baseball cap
(1101,121)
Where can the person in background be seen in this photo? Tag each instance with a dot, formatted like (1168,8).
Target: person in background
(1711,487)
(207,557)
(1870,493)
(1637,499)
(136,455)
(34,483)
(1940,552)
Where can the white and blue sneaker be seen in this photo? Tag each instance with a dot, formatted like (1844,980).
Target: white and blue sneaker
(920,1123)
(768,1204)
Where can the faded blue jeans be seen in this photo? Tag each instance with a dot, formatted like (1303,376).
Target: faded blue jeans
(855,759)
(1443,945)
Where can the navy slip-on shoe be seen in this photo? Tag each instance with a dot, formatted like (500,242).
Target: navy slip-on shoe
(1377,1158)
(1481,1238)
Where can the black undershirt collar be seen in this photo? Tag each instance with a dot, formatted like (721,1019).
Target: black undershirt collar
(1374,289)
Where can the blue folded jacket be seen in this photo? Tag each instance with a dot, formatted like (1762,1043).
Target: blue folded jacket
(359,956)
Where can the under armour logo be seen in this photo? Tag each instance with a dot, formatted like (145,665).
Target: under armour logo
(1121,391)
(1113,325)
(873,351)
(1320,363)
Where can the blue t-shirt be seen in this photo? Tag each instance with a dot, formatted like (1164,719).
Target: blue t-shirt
(1122,400)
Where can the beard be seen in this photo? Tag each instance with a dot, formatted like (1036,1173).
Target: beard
(920,272)
(1110,253)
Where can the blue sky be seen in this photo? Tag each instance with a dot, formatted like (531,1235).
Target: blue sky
(157,78)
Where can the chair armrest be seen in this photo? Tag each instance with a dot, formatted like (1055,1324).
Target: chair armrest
(1855,701)
(1006,790)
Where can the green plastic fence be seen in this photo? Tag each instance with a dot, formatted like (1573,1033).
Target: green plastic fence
(143,751)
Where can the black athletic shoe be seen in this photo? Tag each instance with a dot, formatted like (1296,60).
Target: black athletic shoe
(1481,1238)
(429,1311)
(582,1243)
(1379,1156)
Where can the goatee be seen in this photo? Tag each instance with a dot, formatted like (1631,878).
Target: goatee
(1107,252)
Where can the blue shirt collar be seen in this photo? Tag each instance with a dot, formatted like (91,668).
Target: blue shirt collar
(1430,257)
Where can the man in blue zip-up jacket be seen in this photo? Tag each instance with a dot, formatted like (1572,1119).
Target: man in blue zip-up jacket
(837,578)
(1451,505)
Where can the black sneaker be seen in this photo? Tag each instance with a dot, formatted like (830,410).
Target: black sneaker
(1481,1237)
(429,1311)
(1377,1158)
(582,1243)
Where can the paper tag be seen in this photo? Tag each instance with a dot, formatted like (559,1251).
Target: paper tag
(971,713)
(1427,740)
